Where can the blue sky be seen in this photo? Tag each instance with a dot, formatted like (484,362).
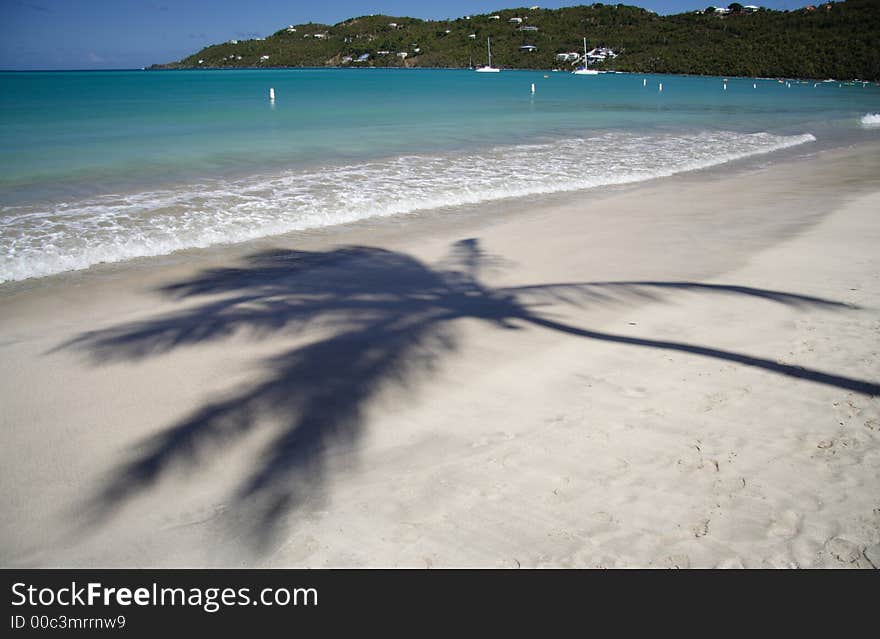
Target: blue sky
(117,34)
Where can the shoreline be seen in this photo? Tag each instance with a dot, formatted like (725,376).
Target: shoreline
(678,372)
(740,164)
(557,70)
(539,70)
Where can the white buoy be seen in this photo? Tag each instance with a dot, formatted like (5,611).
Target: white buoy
(725,86)
(645,82)
(533,88)
(754,85)
(272,94)
(660,87)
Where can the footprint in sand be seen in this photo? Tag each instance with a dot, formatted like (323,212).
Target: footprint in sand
(872,554)
(843,550)
(787,526)
(601,522)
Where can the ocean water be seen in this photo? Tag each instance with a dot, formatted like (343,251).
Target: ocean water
(108,166)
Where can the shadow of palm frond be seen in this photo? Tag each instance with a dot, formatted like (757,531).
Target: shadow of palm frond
(391,320)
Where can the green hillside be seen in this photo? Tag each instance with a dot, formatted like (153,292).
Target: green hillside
(834,40)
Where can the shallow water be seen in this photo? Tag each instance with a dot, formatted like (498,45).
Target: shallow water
(108,166)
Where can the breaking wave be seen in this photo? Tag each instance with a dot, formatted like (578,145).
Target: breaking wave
(42,240)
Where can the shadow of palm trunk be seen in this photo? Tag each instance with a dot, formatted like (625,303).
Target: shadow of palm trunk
(797,372)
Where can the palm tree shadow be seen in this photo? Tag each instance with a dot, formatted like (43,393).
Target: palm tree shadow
(390,318)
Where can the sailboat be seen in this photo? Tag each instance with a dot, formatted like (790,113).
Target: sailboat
(585,70)
(489,68)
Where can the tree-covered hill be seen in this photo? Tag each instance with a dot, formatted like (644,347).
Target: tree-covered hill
(833,40)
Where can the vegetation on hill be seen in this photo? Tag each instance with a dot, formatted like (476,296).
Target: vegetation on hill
(833,40)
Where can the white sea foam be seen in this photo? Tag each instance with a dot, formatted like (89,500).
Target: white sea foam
(871,119)
(38,241)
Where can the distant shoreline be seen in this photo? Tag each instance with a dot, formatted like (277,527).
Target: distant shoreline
(518,69)
(349,68)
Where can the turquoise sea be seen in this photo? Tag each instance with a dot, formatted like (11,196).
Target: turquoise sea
(112,165)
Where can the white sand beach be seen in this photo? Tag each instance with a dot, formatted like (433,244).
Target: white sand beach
(682,373)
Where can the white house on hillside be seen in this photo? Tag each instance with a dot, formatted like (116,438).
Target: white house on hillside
(600,54)
(572,56)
